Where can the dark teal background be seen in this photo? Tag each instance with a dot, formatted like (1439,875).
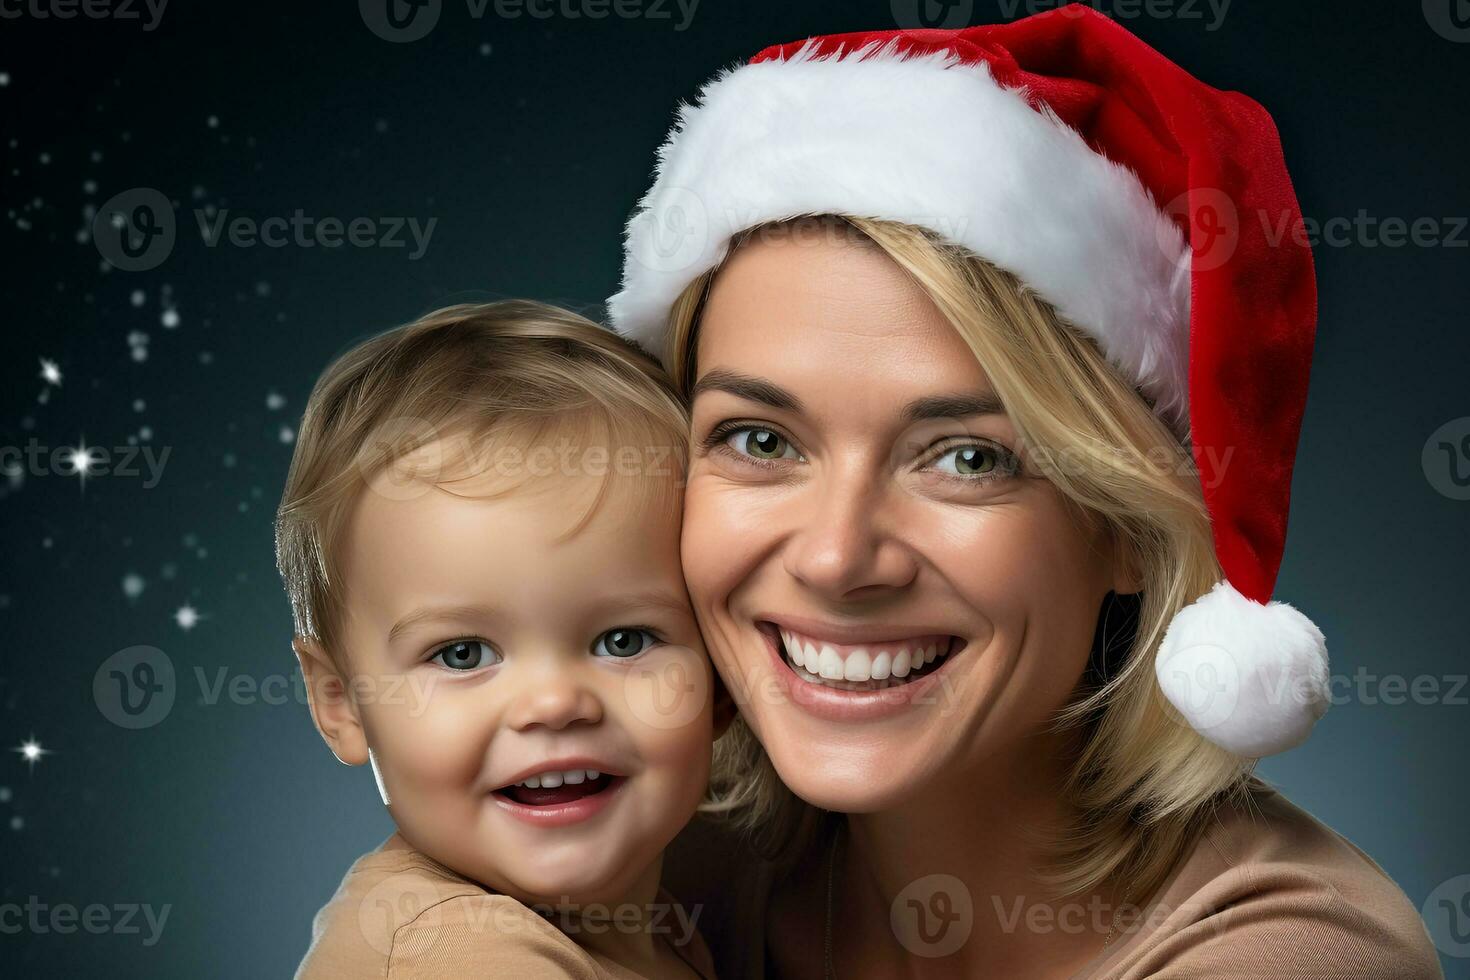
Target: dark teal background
(531,157)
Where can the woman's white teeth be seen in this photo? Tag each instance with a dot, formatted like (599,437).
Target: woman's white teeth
(830,666)
(833,662)
(556,777)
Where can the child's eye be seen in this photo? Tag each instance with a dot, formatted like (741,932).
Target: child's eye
(465,655)
(625,641)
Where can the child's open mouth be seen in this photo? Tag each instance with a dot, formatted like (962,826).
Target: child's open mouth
(558,788)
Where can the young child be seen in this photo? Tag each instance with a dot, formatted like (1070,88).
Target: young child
(480,539)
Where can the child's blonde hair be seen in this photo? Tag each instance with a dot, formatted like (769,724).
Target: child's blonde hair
(512,373)
(1143,782)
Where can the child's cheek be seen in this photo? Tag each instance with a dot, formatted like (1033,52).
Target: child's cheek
(666,704)
(432,734)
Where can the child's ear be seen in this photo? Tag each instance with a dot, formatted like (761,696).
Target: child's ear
(331,706)
(725,710)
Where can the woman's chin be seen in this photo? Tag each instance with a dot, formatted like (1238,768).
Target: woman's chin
(852,778)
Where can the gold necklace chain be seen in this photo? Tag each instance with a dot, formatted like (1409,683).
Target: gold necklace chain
(830,973)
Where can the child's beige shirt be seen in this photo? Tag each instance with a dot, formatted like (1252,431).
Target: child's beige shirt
(401,915)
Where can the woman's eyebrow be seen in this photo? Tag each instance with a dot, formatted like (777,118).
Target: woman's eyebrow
(747,387)
(952,407)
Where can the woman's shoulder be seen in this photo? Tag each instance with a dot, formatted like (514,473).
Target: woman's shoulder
(1269,890)
(398,913)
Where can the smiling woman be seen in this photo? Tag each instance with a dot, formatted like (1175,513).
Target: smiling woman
(1004,656)
(880,546)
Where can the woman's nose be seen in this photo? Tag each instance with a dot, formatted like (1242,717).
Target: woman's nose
(847,545)
(554,697)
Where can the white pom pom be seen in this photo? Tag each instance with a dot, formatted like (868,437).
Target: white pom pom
(1250,678)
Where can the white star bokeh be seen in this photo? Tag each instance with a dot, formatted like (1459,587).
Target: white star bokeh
(31,751)
(187,617)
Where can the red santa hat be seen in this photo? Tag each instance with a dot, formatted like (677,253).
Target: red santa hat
(1137,200)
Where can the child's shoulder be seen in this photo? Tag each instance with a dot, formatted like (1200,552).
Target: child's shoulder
(398,913)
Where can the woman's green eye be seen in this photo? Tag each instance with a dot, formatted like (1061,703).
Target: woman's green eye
(464,655)
(761,444)
(623,642)
(972,460)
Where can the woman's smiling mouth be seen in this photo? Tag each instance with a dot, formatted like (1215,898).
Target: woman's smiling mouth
(870,666)
(840,674)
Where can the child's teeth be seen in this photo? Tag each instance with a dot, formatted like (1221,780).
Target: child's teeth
(569,777)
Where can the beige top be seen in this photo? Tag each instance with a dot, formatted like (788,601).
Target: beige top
(1268,891)
(401,915)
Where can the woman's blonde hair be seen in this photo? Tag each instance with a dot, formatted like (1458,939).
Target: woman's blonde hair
(1143,782)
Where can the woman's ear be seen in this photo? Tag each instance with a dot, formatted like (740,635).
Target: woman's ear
(331,705)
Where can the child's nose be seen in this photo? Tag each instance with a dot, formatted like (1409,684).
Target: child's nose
(554,699)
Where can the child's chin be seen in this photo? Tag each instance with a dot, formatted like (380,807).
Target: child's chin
(547,888)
